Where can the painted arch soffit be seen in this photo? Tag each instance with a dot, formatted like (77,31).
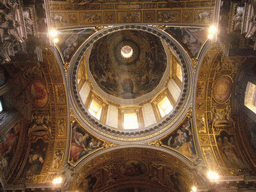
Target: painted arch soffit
(38,139)
(218,140)
(142,164)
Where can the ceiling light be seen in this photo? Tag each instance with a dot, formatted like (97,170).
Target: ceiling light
(212,30)
(53,33)
(194,189)
(210,36)
(55,40)
(213,175)
(57,180)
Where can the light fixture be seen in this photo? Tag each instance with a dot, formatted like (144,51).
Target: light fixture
(57,180)
(213,176)
(53,33)
(210,36)
(212,30)
(55,40)
(194,189)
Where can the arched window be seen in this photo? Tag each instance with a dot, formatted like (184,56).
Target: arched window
(131,121)
(1,106)
(95,109)
(164,106)
(250,97)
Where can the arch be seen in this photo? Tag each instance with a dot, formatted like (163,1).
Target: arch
(149,161)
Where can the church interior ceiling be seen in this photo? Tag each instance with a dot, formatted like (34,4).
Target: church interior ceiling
(128,78)
(64,13)
(119,169)
(46,133)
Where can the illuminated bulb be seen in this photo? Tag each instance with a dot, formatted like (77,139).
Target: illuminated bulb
(194,189)
(53,33)
(57,180)
(55,40)
(212,30)
(212,175)
(210,36)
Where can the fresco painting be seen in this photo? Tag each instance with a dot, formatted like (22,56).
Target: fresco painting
(8,146)
(228,151)
(222,89)
(132,77)
(82,143)
(192,38)
(35,159)
(182,140)
(132,168)
(39,94)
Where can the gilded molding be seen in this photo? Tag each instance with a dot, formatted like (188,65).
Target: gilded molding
(161,27)
(66,67)
(194,62)
(157,143)
(107,144)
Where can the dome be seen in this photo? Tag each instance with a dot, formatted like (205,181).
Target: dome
(130,81)
(128,64)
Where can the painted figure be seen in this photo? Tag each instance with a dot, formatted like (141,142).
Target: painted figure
(230,155)
(182,140)
(78,145)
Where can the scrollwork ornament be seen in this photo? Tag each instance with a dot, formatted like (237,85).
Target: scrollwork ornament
(107,144)
(189,114)
(161,27)
(72,116)
(66,67)
(157,143)
(194,62)
(231,64)
(98,28)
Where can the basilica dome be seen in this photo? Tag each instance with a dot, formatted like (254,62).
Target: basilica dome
(130,81)
(128,64)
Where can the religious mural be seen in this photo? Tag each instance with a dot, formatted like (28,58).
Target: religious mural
(222,89)
(182,140)
(82,143)
(131,77)
(39,94)
(69,41)
(132,168)
(192,38)
(247,131)
(57,159)
(129,168)
(35,159)
(8,146)
(228,151)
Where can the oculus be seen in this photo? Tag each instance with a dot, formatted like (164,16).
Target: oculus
(126,51)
